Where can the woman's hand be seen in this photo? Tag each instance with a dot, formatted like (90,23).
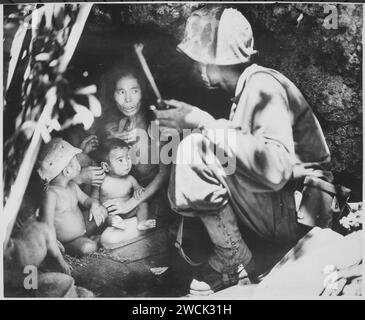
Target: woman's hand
(118,206)
(127,136)
(98,213)
(92,176)
(89,144)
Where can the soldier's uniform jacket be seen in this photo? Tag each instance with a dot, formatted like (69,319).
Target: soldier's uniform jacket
(271,128)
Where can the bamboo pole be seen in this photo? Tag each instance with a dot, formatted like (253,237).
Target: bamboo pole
(15,52)
(17,44)
(18,189)
(74,37)
(2,290)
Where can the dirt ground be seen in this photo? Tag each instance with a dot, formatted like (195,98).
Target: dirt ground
(126,271)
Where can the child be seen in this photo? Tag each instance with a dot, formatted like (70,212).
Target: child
(57,166)
(115,160)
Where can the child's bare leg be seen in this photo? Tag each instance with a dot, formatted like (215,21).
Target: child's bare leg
(113,238)
(142,216)
(81,246)
(116,221)
(55,252)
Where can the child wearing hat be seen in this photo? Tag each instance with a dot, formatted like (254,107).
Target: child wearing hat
(57,167)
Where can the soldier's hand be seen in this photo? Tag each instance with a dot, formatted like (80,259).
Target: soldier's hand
(180,115)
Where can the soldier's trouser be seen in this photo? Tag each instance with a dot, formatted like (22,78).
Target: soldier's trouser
(199,187)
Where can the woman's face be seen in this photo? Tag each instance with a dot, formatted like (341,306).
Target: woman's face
(128,95)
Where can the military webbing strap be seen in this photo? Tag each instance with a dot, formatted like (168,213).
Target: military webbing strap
(178,245)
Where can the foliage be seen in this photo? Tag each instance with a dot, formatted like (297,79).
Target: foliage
(45,83)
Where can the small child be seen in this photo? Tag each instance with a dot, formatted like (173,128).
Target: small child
(57,166)
(119,184)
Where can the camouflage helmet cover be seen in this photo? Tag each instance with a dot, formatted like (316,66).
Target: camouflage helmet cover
(218,35)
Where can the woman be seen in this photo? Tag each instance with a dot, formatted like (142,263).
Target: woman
(123,89)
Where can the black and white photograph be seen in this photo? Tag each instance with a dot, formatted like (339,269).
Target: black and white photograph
(182,150)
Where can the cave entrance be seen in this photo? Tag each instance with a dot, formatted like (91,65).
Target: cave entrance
(107,39)
(127,271)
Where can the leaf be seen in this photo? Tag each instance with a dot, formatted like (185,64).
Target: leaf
(44,133)
(94,105)
(54,125)
(53,63)
(58,11)
(51,97)
(15,52)
(43,57)
(86,90)
(28,128)
(83,115)
(28,90)
(48,15)
(85,118)
(66,21)
(61,104)
(35,112)
(36,16)
(19,120)
(158,271)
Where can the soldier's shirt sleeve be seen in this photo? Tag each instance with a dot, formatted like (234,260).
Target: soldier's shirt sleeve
(265,156)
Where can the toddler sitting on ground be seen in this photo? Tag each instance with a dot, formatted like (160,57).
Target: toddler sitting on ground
(118,183)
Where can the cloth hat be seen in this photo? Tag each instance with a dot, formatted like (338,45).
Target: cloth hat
(54,157)
(218,35)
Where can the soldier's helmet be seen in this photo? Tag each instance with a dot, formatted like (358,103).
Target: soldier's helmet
(218,35)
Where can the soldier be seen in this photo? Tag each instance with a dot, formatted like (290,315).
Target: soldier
(273,137)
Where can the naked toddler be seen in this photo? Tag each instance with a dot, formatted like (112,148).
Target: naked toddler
(119,184)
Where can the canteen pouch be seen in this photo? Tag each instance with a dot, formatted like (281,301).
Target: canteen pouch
(320,202)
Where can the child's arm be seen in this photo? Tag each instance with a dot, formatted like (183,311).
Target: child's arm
(157,183)
(97,211)
(138,190)
(48,208)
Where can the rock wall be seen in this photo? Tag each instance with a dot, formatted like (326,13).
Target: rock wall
(326,64)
